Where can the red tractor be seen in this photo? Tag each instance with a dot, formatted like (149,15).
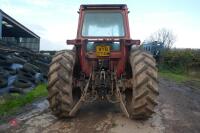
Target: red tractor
(105,64)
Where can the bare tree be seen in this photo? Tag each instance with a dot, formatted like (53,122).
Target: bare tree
(164,36)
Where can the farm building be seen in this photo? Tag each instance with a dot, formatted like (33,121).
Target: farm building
(14,33)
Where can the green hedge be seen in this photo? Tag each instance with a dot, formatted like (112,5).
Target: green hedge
(180,60)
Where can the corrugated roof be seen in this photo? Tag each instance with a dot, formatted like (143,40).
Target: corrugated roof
(4,15)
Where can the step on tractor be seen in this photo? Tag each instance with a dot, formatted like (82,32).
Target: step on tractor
(105,64)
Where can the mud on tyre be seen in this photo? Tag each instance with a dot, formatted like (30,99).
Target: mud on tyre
(60,78)
(141,98)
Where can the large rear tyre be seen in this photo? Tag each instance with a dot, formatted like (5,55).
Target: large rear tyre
(141,98)
(60,78)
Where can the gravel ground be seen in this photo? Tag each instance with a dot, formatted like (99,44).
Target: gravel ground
(178,112)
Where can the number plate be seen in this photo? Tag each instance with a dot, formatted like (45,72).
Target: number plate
(102,50)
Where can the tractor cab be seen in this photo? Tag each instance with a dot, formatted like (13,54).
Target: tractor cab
(103,37)
(100,21)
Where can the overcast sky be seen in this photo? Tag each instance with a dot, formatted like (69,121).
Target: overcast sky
(56,20)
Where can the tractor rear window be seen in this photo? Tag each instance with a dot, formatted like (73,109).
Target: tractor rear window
(103,24)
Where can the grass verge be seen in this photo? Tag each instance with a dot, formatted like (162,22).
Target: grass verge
(9,104)
(189,81)
(178,77)
(174,76)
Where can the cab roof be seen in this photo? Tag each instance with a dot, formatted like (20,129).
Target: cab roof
(104,6)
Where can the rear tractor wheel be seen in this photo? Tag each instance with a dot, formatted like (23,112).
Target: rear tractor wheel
(141,98)
(60,89)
